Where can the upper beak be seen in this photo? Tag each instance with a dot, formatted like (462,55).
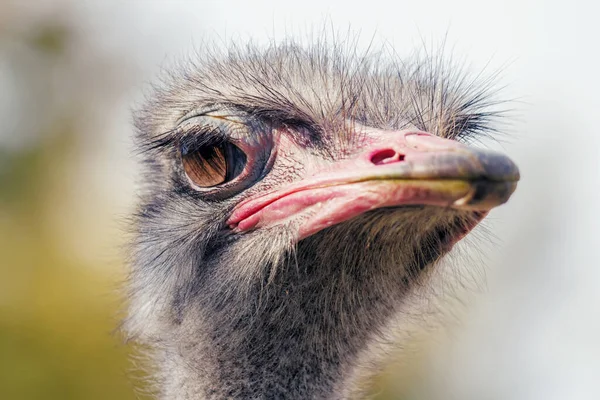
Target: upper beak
(404,168)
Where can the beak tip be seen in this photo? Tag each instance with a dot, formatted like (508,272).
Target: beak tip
(498,167)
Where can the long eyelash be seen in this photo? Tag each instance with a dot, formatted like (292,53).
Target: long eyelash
(198,137)
(159,143)
(187,140)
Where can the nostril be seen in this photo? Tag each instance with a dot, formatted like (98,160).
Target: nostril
(386,156)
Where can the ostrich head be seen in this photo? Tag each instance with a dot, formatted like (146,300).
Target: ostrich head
(293,198)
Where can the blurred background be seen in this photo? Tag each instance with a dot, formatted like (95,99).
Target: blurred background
(70,72)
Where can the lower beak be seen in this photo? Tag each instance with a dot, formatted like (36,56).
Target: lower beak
(413,168)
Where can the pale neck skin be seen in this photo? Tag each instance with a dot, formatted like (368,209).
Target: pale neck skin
(301,338)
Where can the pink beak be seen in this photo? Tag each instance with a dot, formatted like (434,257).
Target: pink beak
(398,169)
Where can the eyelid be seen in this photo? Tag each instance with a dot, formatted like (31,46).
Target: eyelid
(210,110)
(228,126)
(195,112)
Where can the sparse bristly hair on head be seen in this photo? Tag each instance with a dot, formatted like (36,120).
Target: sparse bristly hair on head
(294,198)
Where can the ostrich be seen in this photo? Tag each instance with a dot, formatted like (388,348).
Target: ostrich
(294,197)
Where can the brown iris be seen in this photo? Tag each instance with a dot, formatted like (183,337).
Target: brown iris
(213,165)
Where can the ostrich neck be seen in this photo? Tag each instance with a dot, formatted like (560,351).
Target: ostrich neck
(297,340)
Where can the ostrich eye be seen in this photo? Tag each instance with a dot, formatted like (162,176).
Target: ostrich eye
(213,165)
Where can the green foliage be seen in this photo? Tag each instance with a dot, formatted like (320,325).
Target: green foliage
(57,315)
